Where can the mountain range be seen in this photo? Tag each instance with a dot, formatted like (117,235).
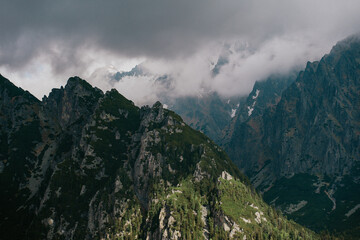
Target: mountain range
(296,136)
(83,164)
(303,152)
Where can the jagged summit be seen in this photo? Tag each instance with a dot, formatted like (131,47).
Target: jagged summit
(76,85)
(84,165)
(157,105)
(77,82)
(310,139)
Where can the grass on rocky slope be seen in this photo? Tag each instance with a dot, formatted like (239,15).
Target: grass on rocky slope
(255,217)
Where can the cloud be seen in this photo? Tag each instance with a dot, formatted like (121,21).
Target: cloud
(52,40)
(279,55)
(242,65)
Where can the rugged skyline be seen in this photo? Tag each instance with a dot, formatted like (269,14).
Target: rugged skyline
(43,43)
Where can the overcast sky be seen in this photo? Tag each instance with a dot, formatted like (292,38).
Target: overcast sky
(45,42)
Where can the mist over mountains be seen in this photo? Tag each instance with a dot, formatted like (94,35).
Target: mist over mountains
(184,120)
(303,152)
(296,138)
(177,39)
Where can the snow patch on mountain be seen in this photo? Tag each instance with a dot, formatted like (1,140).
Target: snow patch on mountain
(256,94)
(250,110)
(233,112)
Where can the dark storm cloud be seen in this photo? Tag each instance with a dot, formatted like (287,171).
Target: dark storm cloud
(158,28)
(155,28)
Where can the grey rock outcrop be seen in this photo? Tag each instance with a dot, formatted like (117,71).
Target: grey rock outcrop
(311,134)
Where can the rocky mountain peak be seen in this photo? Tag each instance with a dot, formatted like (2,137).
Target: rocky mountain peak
(77,100)
(157,105)
(311,134)
(87,165)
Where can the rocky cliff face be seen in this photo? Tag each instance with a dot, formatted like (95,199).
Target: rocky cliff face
(311,136)
(82,164)
(209,113)
(217,116)
(265,94)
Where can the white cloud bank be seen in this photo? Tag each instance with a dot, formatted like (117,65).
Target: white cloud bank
(45,42)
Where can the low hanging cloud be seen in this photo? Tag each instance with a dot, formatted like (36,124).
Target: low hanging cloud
(276,56)
(241,66)
(45,42)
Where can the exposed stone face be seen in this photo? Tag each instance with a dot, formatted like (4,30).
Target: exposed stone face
(226,176)
(209,113)
(82,160)
(78,99)
(314,129)
(86,165)
(265,94)
(217,116)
